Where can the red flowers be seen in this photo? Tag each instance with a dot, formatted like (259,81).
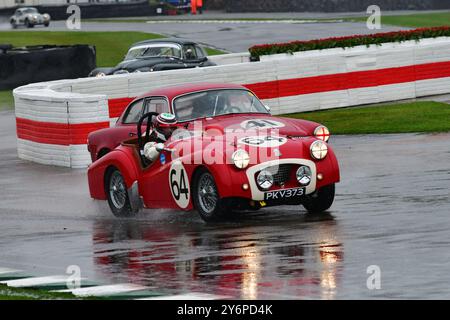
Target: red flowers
(349,41)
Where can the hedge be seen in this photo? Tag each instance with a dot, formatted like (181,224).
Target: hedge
(348,41)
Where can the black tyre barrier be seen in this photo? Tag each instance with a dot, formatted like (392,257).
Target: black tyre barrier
(329,6)
(97,10)
(21,66)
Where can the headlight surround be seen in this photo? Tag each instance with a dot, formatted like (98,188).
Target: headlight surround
(46,16)
(322,133)
(241,159)
(265,180)
(304,175)
(319,150)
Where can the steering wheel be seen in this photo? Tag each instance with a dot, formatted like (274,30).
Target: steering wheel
(143,140)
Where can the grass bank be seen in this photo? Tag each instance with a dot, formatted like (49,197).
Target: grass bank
(6,100)
(419,20)
(111,46)
(421,116)
(9,293)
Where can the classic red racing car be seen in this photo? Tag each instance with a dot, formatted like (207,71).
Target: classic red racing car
(213,148)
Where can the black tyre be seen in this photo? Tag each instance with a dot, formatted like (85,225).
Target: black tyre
(28,24)
(46,24)
(116,191)
(13,24)
(321,200)
(205,197)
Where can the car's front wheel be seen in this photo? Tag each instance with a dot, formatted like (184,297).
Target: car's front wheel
(46,24)
(28,24)
(321,200)
(117,194)
(13,24)
(206,197)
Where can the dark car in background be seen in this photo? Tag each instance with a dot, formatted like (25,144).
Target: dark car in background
(159,55)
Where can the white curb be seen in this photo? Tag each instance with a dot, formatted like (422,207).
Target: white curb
(38,281)
(188,296)
(4,271)
(107,290)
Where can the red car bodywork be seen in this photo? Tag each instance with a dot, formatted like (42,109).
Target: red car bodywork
(154,182)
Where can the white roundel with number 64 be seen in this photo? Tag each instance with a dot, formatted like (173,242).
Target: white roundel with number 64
(179,184)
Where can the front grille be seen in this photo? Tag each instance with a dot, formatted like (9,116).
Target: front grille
(280,173)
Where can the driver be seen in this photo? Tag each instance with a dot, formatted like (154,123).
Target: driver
(164,125)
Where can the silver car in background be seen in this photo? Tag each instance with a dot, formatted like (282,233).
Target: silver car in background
(29,17)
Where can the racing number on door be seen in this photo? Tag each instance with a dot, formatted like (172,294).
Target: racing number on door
(179,184)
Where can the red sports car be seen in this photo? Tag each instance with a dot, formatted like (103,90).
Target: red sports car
(212,148)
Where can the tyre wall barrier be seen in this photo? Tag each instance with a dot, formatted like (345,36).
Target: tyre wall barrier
(54,118)
(21,66)
(329,6)
(95,10)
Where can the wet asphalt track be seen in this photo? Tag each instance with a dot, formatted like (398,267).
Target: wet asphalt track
(232,37)
(392,210)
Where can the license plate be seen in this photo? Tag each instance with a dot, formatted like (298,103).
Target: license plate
(284,194)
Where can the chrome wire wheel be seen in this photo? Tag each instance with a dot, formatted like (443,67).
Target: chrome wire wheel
(117,190)
(208,196)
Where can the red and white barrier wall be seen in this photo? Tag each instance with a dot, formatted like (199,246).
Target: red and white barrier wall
(54,118)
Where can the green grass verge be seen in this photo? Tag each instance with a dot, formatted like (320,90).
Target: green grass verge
(423,116)
(111,46)
(8,293)
(213,51)
(420,20)
(6,100)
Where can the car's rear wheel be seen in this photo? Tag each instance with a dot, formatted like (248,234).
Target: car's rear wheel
(117,194)
(321,200)
(206,196)
(13,24)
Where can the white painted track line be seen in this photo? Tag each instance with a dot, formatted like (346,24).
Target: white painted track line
(4,271)
(107,290)
(39,281)
(188,296)
(291,21)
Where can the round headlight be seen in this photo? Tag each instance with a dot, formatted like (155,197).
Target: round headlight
(265,180)
(100,74)
(304,175)
(319,150)
(241,159)
(322,133)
